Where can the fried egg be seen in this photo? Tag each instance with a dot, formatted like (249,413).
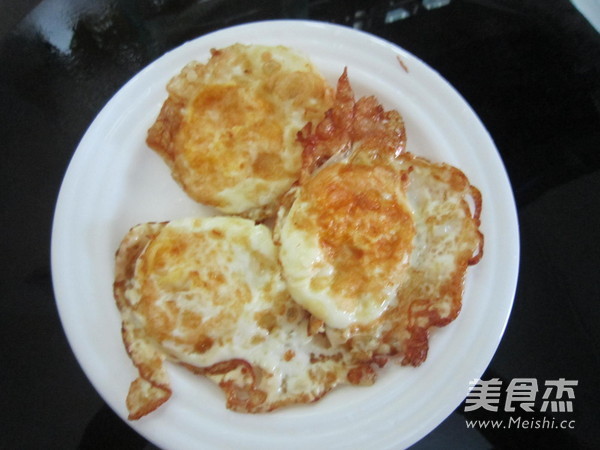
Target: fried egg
(376,243)
(228,127)
(346,243)
(369,251)
(445,215)
(357,233)
(207,294)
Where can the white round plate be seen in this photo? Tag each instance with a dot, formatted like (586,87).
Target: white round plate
(114,182)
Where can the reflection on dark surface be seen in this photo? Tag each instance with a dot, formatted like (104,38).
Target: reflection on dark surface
(531,71)
(107,431)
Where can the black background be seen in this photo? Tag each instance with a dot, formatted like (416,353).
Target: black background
(531,71)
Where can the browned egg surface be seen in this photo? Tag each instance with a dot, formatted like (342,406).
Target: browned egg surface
(375,242)
(369,250)
(207,294)
(228,127)
(346,243)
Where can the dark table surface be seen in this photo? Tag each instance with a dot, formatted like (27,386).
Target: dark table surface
(530,70)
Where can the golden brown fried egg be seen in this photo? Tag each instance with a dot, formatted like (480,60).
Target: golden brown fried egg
(207,294)
(370,248)
(228,127)
(375,242)
(346,243)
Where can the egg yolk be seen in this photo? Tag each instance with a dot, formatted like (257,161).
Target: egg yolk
(363,228)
